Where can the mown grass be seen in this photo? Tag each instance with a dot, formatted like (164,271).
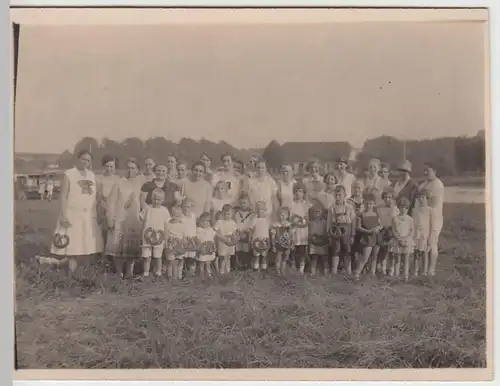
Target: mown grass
(252,320)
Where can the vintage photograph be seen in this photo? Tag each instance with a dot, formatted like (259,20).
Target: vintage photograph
(249,195)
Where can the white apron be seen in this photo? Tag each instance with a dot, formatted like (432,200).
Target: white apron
(85,236)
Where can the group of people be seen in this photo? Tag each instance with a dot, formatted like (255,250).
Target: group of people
(179,219)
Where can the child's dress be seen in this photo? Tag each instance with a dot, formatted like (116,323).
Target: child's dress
(226,228)
(260,236)
(422,224)
(402,242)
(386,214)
(283,236)
(318,239)
(176,232)
(190,229)
(154,230)
(243,219)
(299,217)
(368,222)
(206,237)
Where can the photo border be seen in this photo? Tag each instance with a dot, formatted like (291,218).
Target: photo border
(280,374)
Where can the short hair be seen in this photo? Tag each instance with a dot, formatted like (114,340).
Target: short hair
(340,188)
(359,183)
(243,196)
(206,155)
(171,155)
(176,207)
(223,182)
(134,161)
(108,158)
(155,168)
(149,157)
(287,165)
(224,155)
(205,216)
(375,161)
(241,163)
(199,163)
(430,165)
(423,192)
(260,160)
(261,203)
(83,152)
(158,192)
(299,186)
(284,209)
(369,197)
(328,175)
(226,208)
(317,206)
(403,201)
(187,200)
(388,192)
(311,163)
(384,165)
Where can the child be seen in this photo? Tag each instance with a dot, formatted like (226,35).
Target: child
(226,230)
(282,239)
(367,229)
(220,198)
(318,240)
(259,237)
(156,218)
(386,213)
(299,218)
(356,200)
(205,235)
(402,242)
(243,217)
(176,232)
(341,227)
(422,222)
(189,220)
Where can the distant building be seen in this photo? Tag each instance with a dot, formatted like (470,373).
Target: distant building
(300,153)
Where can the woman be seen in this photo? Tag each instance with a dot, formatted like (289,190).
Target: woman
(262,187)
(206,160)
(198,189)
(374,183)
(228,174)
(172,191)
(285,186)
(314,182)
(171,167)
(405,186)
(77,236)
(105,183)
(385,173)
(344,178)
(124,240)
(149,165)
(327,196)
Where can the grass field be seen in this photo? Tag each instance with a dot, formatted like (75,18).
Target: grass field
(252,320)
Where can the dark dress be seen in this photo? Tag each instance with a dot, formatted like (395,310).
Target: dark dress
(170,188)
(409,191)
(368,222)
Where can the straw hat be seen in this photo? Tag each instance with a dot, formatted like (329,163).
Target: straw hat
(405,166)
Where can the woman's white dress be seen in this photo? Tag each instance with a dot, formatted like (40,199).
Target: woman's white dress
(85,236)
(190,231)
(263,189)
(285,193)
(124,209)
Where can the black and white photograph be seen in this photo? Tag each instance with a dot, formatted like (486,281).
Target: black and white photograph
(247,191)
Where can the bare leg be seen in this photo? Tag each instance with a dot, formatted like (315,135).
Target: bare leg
(227,264)
(335,265)
(263,262)
(119,263)
(216,264)
(348,263)
(432,263)
(180,267)
(171,269)
(374,256)
(383,255)
(363,259)
(147,265)
(255,262)
(314,264)
(158,266)
(425,263)
(208,268)
(279,257)
(397,264)
(406,266)
(417,258)
(129,267)
(302,263)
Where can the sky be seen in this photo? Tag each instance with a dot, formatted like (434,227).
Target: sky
(248,84)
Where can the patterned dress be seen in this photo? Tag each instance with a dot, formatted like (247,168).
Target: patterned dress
(207,249)
(155,220)
(259,240)
(402,242)
(283,236)
(226,228)
(123,209)
(300,219)
(243,219)
(318,239)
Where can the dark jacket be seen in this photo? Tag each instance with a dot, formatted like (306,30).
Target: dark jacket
(409,191)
